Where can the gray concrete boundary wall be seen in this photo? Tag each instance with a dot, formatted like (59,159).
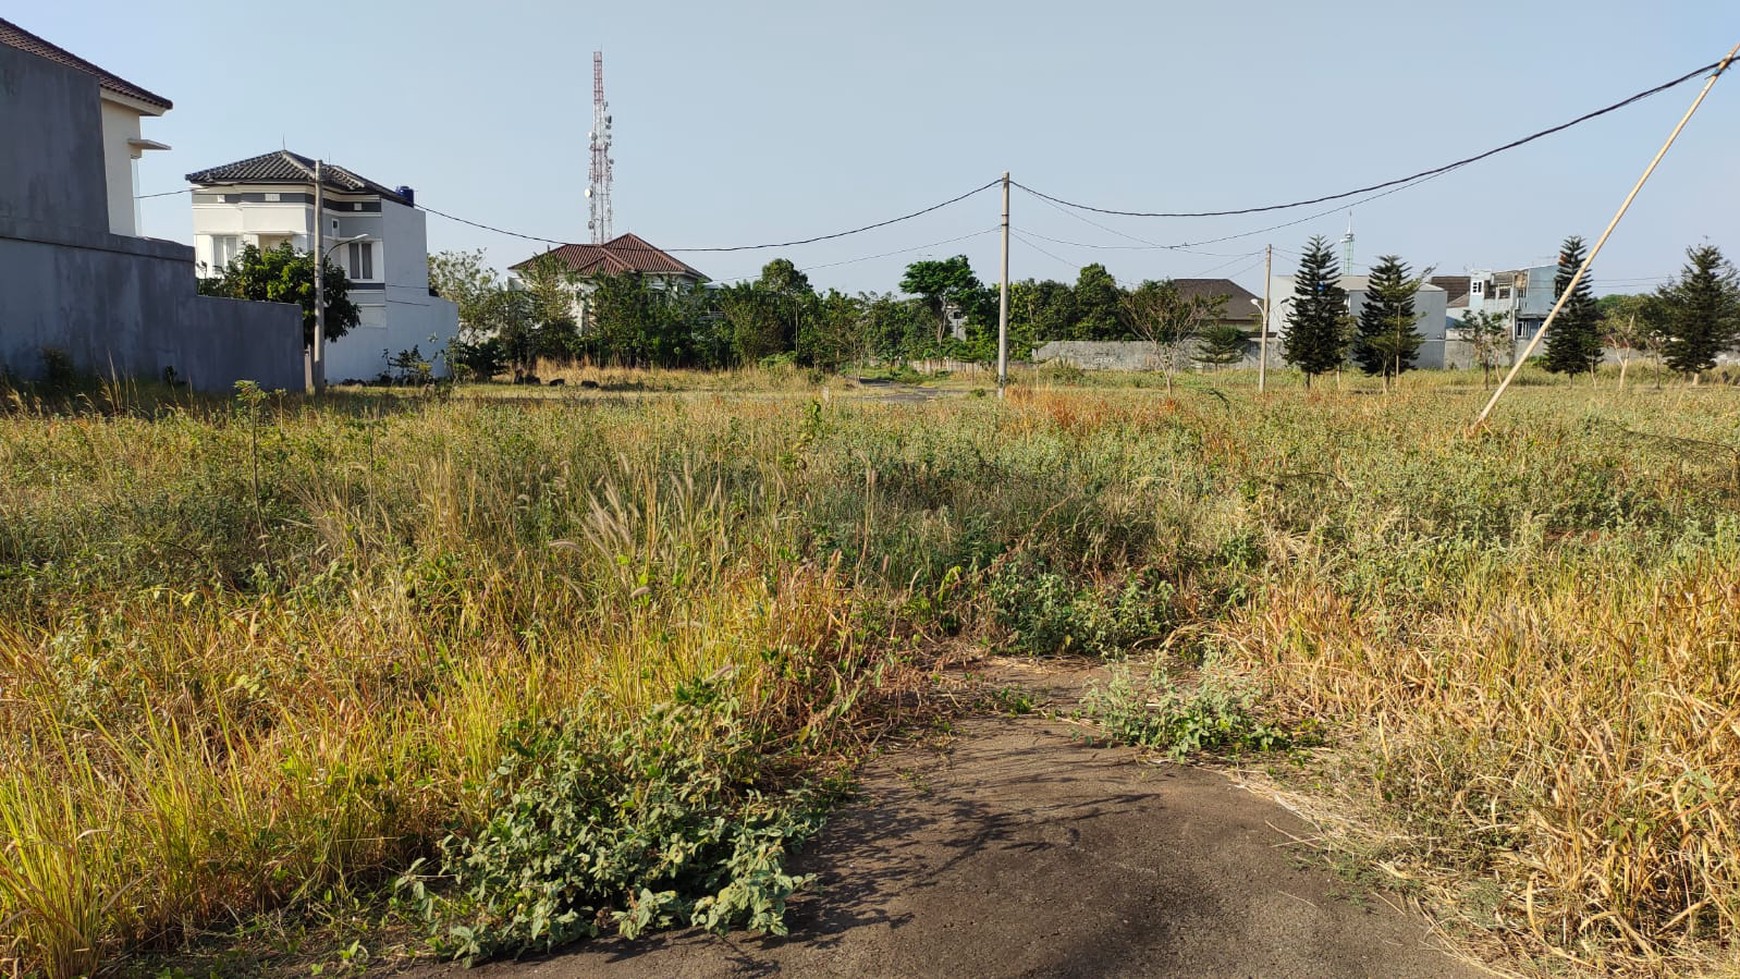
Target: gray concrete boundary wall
(115,305)
(1137,355)
(130,310)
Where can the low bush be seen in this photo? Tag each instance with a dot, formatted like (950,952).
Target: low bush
(593,830)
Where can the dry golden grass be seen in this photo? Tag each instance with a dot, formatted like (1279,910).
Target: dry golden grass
(255,654)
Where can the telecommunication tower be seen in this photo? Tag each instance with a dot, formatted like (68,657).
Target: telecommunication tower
(598,193)
(1347,247)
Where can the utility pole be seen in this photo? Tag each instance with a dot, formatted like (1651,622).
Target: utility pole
(317,355)
(1263,336)
(1003,300)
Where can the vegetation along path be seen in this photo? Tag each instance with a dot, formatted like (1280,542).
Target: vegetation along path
(1022,850)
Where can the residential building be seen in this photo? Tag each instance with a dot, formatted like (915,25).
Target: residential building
(122,105)
(374,232)
(1430,311)
(1239,305)
(1524,296)
(626,254)
(76,282)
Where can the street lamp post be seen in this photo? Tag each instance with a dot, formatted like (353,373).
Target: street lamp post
(317,356)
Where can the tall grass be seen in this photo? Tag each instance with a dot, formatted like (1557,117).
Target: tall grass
(254,655)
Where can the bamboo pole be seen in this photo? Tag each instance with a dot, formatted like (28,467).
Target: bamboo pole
(1571,287)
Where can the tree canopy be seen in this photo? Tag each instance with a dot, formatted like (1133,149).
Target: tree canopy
(1317,320)
(1699,312)
(285,275)
(1574,341)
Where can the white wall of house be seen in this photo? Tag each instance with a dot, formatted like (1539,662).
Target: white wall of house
(389,270)
(122,145)
(1431,308)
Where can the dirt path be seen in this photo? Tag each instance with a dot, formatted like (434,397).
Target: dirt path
(1021,850)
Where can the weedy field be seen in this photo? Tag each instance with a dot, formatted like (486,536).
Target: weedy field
(536,670)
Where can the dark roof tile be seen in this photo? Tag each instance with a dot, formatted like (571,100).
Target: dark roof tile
(285,167)
(14,36)
(1238,307)
(622,254)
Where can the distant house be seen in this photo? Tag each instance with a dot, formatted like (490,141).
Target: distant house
(375,232)
(1239,306)
(626,254)
(1430,312)
(122,105)
(75,279)
(1524,295)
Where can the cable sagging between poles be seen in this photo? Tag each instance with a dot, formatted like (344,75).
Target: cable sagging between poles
(1422,175)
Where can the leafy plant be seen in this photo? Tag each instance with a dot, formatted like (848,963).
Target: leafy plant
(1218,713)
(1048,613)
(594,830)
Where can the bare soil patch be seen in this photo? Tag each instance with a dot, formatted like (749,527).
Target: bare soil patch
(1019,848)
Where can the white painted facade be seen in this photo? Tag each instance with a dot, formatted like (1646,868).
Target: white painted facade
(1430,309)
(388,268)
(123,145)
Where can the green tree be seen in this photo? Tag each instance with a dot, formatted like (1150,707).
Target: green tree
(834,335)
(641,324)
(1222,344)
(1387,342)
(1700,311)
(1170,321)
(1632,326)
(942,285)
(1098,304)
(792,298)
(1574,343)
(754,325)
(285,275)
(1489,335)
(463,279)
(1040,311)
(1317,321)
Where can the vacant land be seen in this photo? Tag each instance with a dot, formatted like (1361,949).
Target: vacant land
(598,664)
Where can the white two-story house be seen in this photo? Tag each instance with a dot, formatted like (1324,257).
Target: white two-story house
(374,232)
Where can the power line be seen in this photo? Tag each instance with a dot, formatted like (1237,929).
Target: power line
(486,227)
(868,258)
(1399,181)
(899,251)
(842,234)
(167,193)
(1066,263)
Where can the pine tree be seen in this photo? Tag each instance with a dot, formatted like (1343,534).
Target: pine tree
(1316,333)
(1387,342)
(1574,342)
(1700,311)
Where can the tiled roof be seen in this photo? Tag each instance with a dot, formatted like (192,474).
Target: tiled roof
(14,36)
(285,167)
(619,255)
(1238,299)
(1457,286)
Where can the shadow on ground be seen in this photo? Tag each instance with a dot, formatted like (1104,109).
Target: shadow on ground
(1023,850)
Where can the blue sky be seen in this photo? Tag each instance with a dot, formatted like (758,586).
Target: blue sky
(742,123)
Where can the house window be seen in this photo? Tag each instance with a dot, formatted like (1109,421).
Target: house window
(362,260)
(1477,287)
(224,249)
(272,198)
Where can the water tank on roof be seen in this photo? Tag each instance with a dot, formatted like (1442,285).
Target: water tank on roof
(408,194)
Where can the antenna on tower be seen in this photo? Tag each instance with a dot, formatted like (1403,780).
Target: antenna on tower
(1347,247)
(599,215)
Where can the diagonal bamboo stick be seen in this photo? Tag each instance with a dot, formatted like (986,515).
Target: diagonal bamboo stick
(1535,341)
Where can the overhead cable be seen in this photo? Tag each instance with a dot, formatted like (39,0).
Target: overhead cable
(842,234)
(1399,181)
